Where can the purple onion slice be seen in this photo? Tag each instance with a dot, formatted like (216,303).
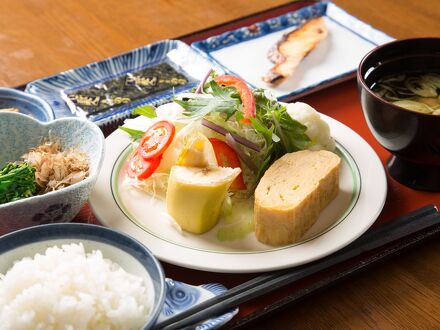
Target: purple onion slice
(230,141)
(223,131)
(202,83)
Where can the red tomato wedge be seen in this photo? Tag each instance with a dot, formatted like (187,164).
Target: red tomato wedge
(227,157)
(247,98)
(156,139)
(140,168)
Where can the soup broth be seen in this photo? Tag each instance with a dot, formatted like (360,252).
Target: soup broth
(413,91)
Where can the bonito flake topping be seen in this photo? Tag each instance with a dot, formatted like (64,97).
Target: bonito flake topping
(56,169)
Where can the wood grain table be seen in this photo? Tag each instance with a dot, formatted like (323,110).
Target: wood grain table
(43,37)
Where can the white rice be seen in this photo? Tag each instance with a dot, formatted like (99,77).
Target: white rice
(67,288)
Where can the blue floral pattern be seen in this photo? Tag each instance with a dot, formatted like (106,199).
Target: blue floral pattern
(52,214)
(261,28)
(181,296)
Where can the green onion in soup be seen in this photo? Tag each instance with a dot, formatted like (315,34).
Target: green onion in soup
(413,91)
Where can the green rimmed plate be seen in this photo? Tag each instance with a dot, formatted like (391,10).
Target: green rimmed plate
(361,198)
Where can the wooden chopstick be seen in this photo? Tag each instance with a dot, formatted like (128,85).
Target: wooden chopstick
(389,232)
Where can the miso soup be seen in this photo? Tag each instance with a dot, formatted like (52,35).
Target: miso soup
(413,91)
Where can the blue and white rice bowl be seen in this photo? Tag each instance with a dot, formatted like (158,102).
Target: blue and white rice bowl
(121,249)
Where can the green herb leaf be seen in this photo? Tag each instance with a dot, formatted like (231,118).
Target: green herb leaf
(268,156)
(134,133)
(224,99)
(145,110)
(263,130)
(290,133)
(17,181)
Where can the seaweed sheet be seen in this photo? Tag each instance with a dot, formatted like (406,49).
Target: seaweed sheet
(124,89)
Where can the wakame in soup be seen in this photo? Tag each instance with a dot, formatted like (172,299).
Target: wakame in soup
(413,91)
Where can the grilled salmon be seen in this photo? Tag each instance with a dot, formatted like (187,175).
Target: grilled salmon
(292,48)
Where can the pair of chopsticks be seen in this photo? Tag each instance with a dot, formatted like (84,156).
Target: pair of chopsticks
(387,233)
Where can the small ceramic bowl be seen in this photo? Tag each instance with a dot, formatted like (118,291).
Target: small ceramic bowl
(19,133)
(131,255)
(412,137)
(26,103)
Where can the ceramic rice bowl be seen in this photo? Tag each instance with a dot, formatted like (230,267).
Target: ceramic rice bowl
(128,253)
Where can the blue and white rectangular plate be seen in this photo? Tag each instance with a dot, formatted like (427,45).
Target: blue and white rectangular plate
(179,56)
(243,52)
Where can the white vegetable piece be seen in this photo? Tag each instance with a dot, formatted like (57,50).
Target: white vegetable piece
(317,129)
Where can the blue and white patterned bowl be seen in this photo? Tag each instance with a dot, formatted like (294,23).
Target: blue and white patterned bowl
(170,297)
(128,253)
(26,103)
(179,55)
(19,133)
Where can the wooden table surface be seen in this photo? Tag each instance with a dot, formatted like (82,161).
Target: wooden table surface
(43,37)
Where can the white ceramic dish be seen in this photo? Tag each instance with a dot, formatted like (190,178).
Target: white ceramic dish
(361,198)
(334,60)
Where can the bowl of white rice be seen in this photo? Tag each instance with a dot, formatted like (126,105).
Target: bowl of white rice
(78,276)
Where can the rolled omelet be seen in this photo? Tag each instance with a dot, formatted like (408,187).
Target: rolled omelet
(292,193)
(195,195)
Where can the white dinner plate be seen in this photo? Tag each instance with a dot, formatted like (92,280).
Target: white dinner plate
(363,188)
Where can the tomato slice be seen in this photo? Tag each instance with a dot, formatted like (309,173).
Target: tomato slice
(140,168)
(247,98)
(227,157)
(156,139)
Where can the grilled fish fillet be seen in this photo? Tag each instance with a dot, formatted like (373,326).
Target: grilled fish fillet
(292,48)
